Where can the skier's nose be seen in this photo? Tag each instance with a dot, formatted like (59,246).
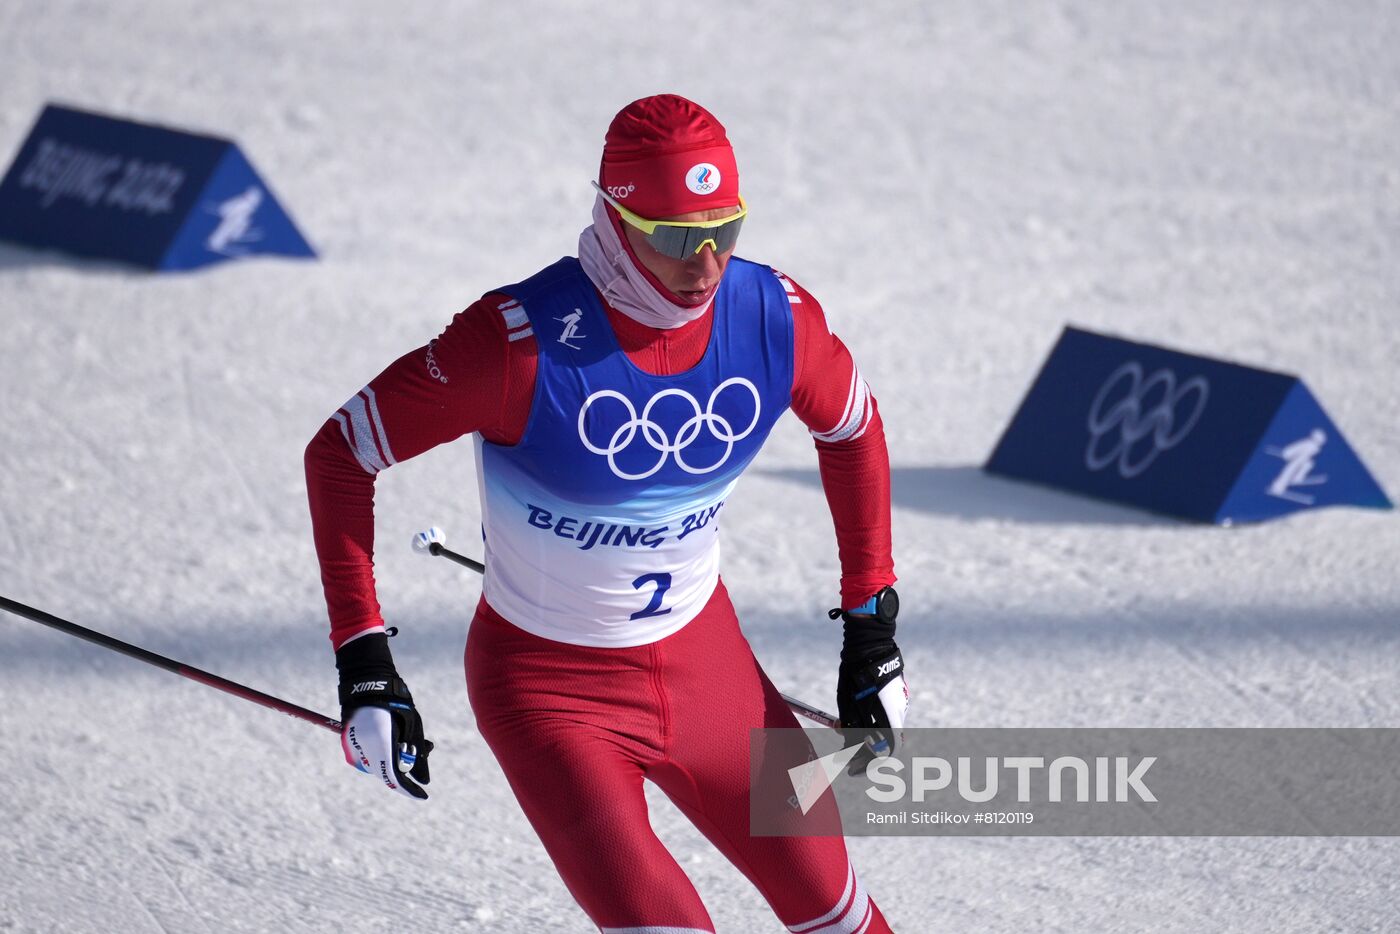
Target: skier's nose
(704,263)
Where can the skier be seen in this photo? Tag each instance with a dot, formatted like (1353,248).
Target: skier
(1299,459)
(615,397)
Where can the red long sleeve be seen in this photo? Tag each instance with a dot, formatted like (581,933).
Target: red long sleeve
(478,375)
(464,381)
(832,399)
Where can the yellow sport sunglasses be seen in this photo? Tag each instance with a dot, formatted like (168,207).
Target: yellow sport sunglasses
(683,239)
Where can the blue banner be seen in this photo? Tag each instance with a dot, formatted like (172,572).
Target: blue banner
(1179,434)
(96,186)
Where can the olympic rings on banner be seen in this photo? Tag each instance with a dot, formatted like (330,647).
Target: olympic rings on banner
(1126,422)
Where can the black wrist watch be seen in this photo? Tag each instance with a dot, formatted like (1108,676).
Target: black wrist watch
(884,606)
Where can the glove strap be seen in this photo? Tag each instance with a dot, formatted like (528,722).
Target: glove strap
(367,651)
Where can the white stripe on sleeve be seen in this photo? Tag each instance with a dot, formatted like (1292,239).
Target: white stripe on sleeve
(360,433)
(379,425)
(350,443)
(856,418)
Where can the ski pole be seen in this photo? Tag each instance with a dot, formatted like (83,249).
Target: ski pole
(431,543)
(170,664)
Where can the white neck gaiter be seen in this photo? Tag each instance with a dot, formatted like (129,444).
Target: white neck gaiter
(623,285)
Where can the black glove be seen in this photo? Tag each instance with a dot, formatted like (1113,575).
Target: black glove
(871,694)
(381,732)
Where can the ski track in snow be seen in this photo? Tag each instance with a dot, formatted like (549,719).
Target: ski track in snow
(954,183)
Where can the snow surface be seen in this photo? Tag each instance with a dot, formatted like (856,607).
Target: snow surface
(954,181)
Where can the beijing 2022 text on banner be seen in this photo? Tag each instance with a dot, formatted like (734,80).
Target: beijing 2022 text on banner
(1179,434)
(160,198)
(1078,782)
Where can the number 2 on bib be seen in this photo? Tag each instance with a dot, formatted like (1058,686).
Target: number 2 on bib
(663,583)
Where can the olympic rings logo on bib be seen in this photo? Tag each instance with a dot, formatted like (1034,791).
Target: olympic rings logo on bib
(655,436)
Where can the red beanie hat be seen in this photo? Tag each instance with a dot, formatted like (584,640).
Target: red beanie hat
(665,156)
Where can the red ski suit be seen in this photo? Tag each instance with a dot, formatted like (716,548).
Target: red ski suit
(577,728)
